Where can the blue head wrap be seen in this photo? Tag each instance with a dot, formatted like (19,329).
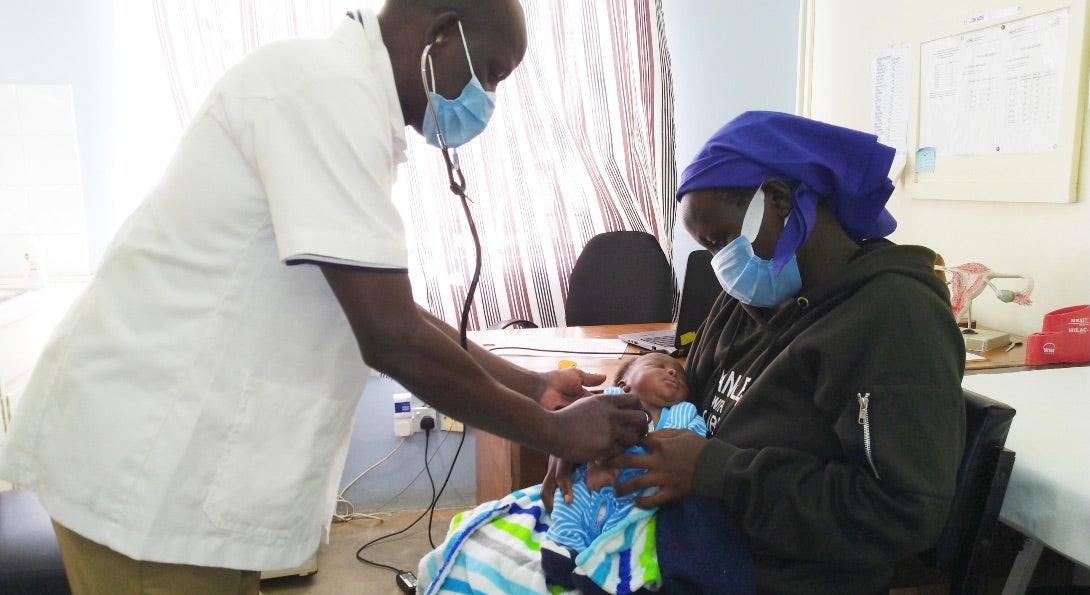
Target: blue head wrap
(847,169)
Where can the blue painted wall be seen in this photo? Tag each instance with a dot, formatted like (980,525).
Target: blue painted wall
(727,57)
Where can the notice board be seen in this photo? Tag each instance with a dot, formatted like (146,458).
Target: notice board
(996,93)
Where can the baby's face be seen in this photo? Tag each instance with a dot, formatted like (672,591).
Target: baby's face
(658,379)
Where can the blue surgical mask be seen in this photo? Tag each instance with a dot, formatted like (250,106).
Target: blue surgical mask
(745,276)
(458,120)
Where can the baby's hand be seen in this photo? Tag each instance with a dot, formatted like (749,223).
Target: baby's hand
(599,476)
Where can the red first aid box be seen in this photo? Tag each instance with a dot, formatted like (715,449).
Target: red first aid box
(1064,338)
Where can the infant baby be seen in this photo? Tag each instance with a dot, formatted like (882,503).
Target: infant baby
(595,511)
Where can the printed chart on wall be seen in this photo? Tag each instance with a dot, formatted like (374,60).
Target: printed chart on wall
(996,90)
(1000,108)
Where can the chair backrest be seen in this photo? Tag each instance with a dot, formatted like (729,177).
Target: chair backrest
(962,549)
(621,277)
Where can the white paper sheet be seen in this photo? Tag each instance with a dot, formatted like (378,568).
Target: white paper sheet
(889,102)
(995,90)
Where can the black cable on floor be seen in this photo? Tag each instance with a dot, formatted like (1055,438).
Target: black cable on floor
(359,552)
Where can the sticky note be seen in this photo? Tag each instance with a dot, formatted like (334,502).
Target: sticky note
(925,160)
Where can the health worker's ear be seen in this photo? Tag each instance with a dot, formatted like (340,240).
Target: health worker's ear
(442,27)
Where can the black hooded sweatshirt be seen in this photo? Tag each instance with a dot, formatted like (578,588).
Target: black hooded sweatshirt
(837,420)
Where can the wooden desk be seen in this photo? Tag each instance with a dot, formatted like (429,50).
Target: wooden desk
(999,358)
(503,467)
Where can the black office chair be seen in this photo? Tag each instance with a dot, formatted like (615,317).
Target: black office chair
(621,277)
(30,560)
(959,558)
(511,323)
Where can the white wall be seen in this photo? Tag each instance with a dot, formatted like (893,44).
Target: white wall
(727,57)
(1051,242)
(59,42)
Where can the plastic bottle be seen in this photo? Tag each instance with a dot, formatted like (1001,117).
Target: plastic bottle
(34,271)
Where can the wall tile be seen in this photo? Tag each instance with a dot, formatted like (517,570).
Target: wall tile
(14,210)
(12,161)
(12,248)
(46,109)
(9,110)
(56,209)
(51,159)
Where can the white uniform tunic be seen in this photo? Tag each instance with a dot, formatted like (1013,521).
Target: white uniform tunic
(195,404)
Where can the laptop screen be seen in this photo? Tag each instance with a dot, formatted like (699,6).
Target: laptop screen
(698,293)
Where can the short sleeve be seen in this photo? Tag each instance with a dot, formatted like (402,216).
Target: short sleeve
(325,155)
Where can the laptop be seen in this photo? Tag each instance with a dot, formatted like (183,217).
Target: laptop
(698,293)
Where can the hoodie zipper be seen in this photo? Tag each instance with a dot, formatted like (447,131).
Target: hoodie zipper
(864,420)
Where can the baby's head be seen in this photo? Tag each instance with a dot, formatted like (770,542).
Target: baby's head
(657,378)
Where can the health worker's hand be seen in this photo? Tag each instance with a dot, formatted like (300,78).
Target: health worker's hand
(564,387)
(670,465)
(595,428)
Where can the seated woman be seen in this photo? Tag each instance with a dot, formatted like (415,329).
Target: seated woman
(592,515)
(829,373)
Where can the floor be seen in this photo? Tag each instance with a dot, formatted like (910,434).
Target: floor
(340,573)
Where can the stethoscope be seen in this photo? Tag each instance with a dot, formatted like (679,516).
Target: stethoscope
(458,188)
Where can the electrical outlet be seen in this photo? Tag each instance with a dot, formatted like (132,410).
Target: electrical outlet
(452,425)
(403,415)
(420,414)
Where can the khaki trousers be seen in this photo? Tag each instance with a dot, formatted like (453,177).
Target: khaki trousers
(95,569)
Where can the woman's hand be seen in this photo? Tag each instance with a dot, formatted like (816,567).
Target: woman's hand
(670,464)
(558,475)
(564,387)
(599,476)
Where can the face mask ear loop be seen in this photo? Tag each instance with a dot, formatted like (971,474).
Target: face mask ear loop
(755,214)
(464,45)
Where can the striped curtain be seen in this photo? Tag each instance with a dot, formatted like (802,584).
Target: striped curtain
(581,143)
(201,39)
